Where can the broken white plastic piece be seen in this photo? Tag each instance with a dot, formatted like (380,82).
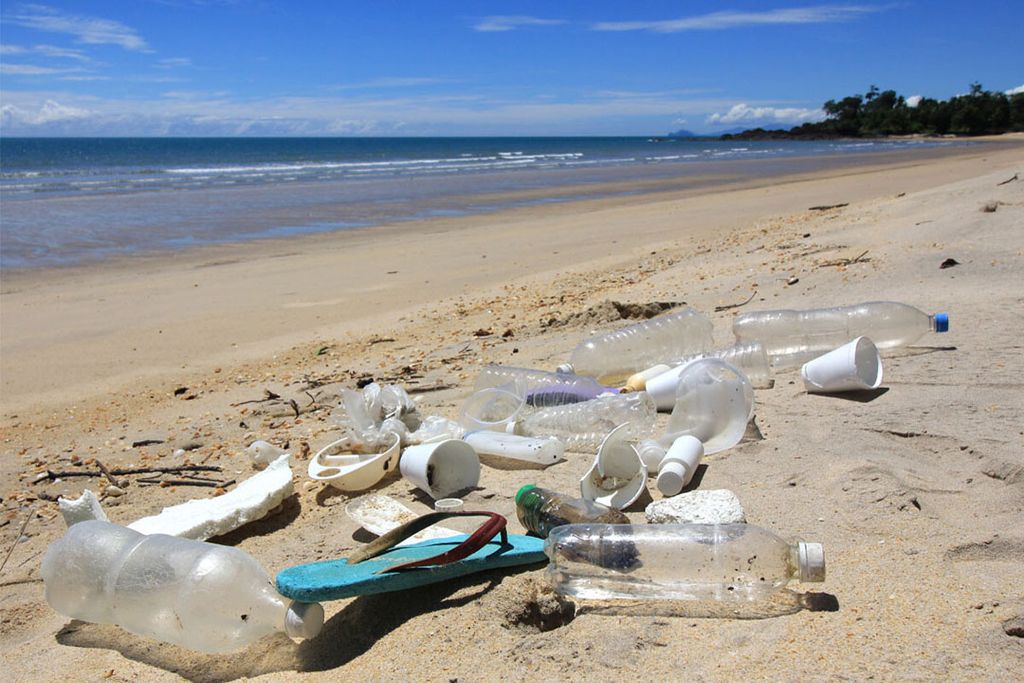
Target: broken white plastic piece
(351,471)
(380,514)
(618,475)
(204,518)
(81,509)
(263,453)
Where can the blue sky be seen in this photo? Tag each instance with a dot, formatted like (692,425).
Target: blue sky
(586,67)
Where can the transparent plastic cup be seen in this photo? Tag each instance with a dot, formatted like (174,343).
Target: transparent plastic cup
(714,403)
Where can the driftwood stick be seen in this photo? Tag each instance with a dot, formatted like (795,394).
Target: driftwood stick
(719,309)
(17,538)
(845,261)
(1008,180)
(185,482)
(106,473)
(51,475)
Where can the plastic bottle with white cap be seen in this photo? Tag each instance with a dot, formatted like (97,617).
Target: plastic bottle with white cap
(676,465)
(206,597)
(793,337)
(726,562)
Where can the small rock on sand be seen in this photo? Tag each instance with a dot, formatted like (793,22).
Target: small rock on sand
(718,506)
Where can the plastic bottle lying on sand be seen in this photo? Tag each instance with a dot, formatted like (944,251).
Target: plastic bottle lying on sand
(202,596)
(613,357)
(540,388)
(750,358)
(736,562)
(583,426)
(792,338)
(541,510)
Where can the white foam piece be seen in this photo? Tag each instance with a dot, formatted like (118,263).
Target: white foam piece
(717,506)
(263,453)
(81,509)
(380,514)
(205,518)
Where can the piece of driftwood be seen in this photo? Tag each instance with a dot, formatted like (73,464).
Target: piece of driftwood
(50,475)
(726,307)
(1008,180)
(845,261)
(826,207)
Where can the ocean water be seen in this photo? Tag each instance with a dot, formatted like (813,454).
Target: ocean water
(70,200)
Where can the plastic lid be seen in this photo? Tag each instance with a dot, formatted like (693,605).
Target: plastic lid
(522,492)
(304,619)
(812,562)
(448,504)
(941,322)
(671,478)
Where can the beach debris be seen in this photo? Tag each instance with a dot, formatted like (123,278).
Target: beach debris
(113,491)
(854,366)
(1008,180)
(146,442)
(826,207)
(481,332)
(50,475)
(204,518)
(1014,627)
(715,506)
(441,469)
(793,280)
(449,505)
(948,263)
(675,466)
(989,207)
(18,536)
(263,453)
(268,395)
(859,258)
(379,514)
(618,475)
(207,597)
(545,451)
(353,471)
(726,307)
(180,390)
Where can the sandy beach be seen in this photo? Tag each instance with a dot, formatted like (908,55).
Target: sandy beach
(917,495)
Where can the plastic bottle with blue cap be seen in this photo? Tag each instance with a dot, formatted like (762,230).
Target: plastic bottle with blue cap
(791,337)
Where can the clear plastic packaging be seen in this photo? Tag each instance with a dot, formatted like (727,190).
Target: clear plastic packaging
(714,403)
(613,357)
(713,562)
(583,426)
(792,338)
(541,510)
(202,596)
(540,388)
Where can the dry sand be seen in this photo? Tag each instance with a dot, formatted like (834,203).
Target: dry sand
(916,494)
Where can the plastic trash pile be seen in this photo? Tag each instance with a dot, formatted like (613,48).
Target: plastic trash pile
(153,577)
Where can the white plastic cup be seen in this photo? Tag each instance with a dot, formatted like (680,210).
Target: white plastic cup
(441,469)
(855,366)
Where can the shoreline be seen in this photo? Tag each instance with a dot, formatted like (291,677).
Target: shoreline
(252,298)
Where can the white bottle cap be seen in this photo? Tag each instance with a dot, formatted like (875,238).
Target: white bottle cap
(812,562)
(304,619)
(671,477)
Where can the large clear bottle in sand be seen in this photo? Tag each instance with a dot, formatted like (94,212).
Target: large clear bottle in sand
(202,596)
(541,510)
(792,338)
(738,562)
(613,357)
(538,387)
(583,426)
(750,358)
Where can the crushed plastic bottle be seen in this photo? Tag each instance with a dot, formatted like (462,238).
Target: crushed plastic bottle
(540,388)
(735,562)
(583,426)
(541,510)
(792,338)
(613,357)
(202,596)
(750,358)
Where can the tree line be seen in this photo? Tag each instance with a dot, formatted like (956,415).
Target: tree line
(884,112)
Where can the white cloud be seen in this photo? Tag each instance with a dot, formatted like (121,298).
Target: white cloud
(747,115)
(1015,91)
(44,50)
(732,19)
(12,50)
(389,82)
(914,100)
(49,112)
(89,30)
(509,23)
(33,70)
(173,62)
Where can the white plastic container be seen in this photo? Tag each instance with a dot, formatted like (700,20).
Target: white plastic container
(583,426)
(618,475)
(205,597)
(546,451)
(441,469)
(714,403)
(852,367)
(792,338)
(733,562)
(614,356)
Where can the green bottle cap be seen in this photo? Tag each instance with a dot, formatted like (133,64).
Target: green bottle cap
(522,492)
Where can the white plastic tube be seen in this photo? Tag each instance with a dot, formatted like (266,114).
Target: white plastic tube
(524,448)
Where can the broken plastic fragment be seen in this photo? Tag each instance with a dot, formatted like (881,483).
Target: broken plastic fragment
(85,507)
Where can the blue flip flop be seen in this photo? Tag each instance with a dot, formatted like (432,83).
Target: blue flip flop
(381,567)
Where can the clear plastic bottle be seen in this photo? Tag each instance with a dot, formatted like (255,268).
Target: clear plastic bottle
(739,562)
(792,338)
(202,596)
(750,358)
(613,357)
(540,388)
(541,510)
(584,425)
